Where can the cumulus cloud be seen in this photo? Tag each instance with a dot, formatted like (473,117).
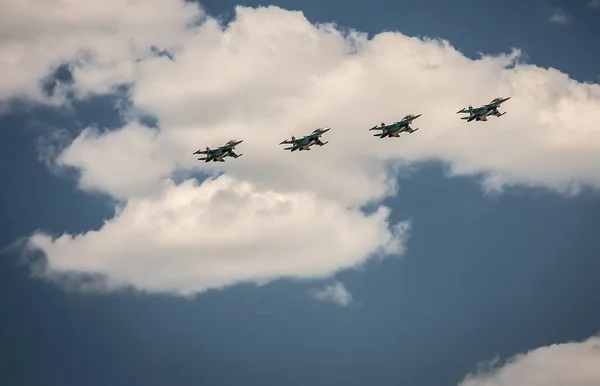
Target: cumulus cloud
(336,293)
(268,75)
(594,4)
(192,237)
(573,364)
(135,160)
(103,39)
(560,17)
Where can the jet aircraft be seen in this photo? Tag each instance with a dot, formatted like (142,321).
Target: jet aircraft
(394,129)
(481,113)
(307,141)
(219,154)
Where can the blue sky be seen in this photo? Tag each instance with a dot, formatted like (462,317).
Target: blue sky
(480,275)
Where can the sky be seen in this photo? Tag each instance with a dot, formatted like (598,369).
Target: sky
(464,254)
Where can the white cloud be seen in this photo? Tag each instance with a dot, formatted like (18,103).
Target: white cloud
(268,75)
(134,160)
(104,36)
(594,4)
(336,293)
(560,17)
(191,238)
(573,364)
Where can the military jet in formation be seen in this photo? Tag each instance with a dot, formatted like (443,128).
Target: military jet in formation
(481,113)
(394,129)
(307,141)
(390,131)
(219,154)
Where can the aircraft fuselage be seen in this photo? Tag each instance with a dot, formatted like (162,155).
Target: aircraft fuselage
(305,143)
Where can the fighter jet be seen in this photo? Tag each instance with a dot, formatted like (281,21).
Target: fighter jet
(394,129)
(219,154)
(481,113)
(307,141)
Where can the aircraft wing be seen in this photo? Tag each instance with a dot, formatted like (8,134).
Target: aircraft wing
(384,127)
(498,101)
